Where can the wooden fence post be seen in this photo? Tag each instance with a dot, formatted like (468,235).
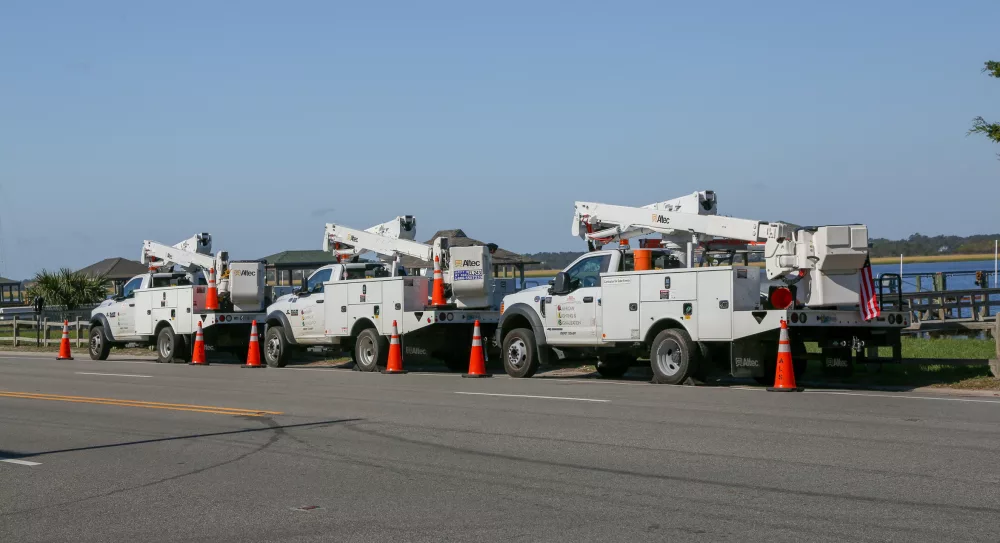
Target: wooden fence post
(78,331)
(45,327)
(15,330)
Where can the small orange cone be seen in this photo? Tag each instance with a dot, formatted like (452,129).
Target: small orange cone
(64,353)
(784,377)
(395,362)
(437,293)
(477,362)
(253,356)
(212,296)
(198,351)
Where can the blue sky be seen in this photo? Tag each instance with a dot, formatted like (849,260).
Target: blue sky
(261,121)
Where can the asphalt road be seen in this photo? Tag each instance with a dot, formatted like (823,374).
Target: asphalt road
(231,454)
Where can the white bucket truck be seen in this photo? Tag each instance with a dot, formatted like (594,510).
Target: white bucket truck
(624,304)
(352,304)
(185,285)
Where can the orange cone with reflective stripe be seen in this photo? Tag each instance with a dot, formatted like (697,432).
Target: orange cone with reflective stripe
(784,376)
(395,362)
(212,296)
(437,292)
(253,356)
(477,361)
(198,351)
(64,353)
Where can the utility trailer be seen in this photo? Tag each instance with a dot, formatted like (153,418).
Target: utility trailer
(164,306)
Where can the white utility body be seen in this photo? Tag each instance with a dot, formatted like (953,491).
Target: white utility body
(683,317)
(165,305)
(353,303)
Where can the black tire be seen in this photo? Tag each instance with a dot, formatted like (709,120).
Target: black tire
(673,357)
(614,365)
(182,352)
(520,353)
(166,345)
(275,347)
(371,351)
(100,347)
(457,361)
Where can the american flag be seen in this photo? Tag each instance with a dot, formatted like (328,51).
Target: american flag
(870,307)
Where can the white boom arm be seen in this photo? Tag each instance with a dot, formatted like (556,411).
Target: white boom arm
(834,254)
(192,254)
(393,238)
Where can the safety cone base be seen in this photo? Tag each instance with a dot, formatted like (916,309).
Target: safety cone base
(387,371)
(785,389)
(198,364)
(476,375)
(249,366)
(64,358)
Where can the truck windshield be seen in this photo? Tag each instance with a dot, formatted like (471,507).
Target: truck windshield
(315,283)
(587,272)
(130,287)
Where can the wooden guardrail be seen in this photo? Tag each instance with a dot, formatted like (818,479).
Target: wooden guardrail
(46,332)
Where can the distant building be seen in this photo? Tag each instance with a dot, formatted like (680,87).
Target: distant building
(293,267)
(11,292)
(118,271)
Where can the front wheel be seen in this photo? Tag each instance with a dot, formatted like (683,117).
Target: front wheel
(673,357)
(520,353)
(371,351)
(100,347)
(275,347)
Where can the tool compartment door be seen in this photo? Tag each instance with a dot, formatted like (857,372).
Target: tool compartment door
(715,304)
(619,309)
(336,309)
(393,298)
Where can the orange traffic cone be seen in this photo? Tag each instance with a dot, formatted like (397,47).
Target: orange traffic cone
(64,353)
(784,377)
(477,362)
(253,356)
(437,293)
(198,351)
(395,363)
(212,296)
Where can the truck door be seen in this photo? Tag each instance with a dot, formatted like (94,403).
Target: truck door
(572,318)
(123,323)
(313,313)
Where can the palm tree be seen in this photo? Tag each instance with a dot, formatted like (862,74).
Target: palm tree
(68,288)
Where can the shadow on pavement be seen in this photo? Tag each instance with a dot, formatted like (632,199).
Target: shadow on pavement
(270,428)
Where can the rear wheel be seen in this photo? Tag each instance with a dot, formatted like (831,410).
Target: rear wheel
(371,351)
(275,347)
(166,345)
(614,365)
(673,357)
(520,353)
(100,347)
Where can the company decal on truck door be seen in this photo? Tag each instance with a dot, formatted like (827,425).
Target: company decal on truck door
(617,280)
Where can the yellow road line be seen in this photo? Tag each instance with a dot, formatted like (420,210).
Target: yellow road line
(136,403)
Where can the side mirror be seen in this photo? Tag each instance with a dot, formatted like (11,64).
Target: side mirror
(561,285)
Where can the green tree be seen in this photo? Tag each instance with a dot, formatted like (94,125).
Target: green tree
(979,125)
(68,288)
